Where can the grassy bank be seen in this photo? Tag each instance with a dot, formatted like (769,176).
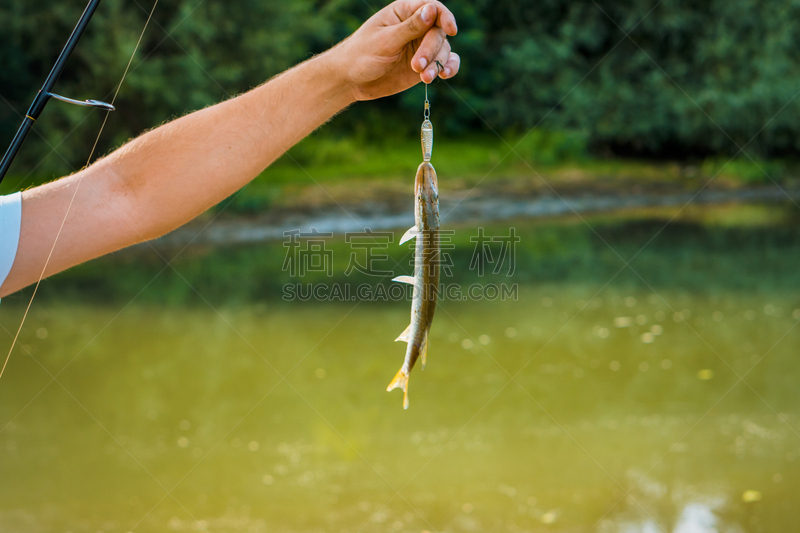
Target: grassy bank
(349,168)
(352,169)
(327,158)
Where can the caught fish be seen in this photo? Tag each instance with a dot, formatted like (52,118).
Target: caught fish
(426,262)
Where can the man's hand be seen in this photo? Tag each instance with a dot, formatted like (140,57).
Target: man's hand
(401,45)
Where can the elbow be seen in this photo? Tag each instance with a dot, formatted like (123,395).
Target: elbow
(124,196)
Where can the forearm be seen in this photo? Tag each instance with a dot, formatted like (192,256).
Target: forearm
(169,175)
(177,171)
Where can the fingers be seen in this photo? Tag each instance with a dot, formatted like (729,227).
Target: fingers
(451,67)
(428,48)
(446,20)
(430,22)
(444,17)
(414,26)
(438,65)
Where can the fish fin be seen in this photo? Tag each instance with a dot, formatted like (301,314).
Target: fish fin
(423,351)
(400,380)
(404,279)
(405,335)
(410,234)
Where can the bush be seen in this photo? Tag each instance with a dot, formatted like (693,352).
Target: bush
(544,147)
(691,80)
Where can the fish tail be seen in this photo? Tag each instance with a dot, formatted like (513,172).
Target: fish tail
(400,380)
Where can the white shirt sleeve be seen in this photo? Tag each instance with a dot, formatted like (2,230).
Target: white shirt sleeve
(10,218)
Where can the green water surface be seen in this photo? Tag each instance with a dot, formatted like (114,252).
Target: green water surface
(661,397)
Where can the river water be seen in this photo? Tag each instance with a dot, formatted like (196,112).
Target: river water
(660,397)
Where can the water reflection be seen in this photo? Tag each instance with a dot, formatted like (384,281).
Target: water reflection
(700,516)
(697,518)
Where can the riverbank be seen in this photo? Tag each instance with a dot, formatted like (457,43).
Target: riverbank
(388,208)
(324,170)
(341,185)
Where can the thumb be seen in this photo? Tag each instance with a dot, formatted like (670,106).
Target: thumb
(415,26)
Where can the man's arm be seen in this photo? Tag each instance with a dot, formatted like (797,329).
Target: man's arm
(170,175)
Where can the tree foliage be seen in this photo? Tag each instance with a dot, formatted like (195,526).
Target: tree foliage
(671,79)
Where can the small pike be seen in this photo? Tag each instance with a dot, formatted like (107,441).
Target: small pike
(426,267)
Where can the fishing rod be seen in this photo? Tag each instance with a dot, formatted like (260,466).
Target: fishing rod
(44,94)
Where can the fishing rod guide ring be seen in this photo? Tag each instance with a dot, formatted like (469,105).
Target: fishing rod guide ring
(84,103)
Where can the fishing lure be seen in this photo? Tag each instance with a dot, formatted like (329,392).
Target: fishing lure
(426,260)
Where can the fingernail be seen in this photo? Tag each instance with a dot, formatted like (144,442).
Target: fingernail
(432,73)
(427,14)
(447,72)
(423,63)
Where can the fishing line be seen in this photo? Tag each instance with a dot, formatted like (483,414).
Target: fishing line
(77,186)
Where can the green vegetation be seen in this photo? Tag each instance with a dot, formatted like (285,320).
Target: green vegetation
(692,82)
(355,168)
(326,157)
(350,169)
